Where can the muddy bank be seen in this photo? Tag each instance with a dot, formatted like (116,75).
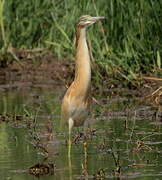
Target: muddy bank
(41,69)
(36,72)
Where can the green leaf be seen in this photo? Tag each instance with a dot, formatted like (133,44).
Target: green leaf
(158,60)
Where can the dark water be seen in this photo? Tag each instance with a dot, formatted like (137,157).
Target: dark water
(124,139)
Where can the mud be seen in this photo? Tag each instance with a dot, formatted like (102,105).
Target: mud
(39,68)
(33,71)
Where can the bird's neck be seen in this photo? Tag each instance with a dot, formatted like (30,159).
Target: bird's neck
(83,66)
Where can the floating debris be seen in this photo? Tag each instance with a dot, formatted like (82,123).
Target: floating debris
(100,174)
(42,169)
(7,118)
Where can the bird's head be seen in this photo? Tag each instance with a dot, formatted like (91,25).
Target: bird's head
(87,20)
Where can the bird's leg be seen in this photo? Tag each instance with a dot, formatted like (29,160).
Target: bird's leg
(85,164)
(71,123)
(85,146)
(85,142)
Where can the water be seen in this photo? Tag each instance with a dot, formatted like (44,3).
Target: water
(124,139)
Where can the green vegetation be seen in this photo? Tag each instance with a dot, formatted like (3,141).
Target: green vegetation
(128,42)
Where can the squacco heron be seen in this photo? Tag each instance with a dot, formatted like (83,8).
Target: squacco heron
(76,102)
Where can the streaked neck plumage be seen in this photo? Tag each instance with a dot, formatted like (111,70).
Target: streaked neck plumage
(83,65)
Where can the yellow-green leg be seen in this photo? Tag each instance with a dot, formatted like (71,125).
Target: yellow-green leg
(85,164)
(69,155)
(69,145)
(85,149)
(71,123)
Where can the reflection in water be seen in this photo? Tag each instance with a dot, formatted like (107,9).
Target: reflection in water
(84,164)
(70,166)
(125,140)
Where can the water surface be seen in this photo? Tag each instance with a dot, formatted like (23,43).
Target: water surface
(124,139)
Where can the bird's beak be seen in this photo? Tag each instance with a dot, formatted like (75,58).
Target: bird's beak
(98,18)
